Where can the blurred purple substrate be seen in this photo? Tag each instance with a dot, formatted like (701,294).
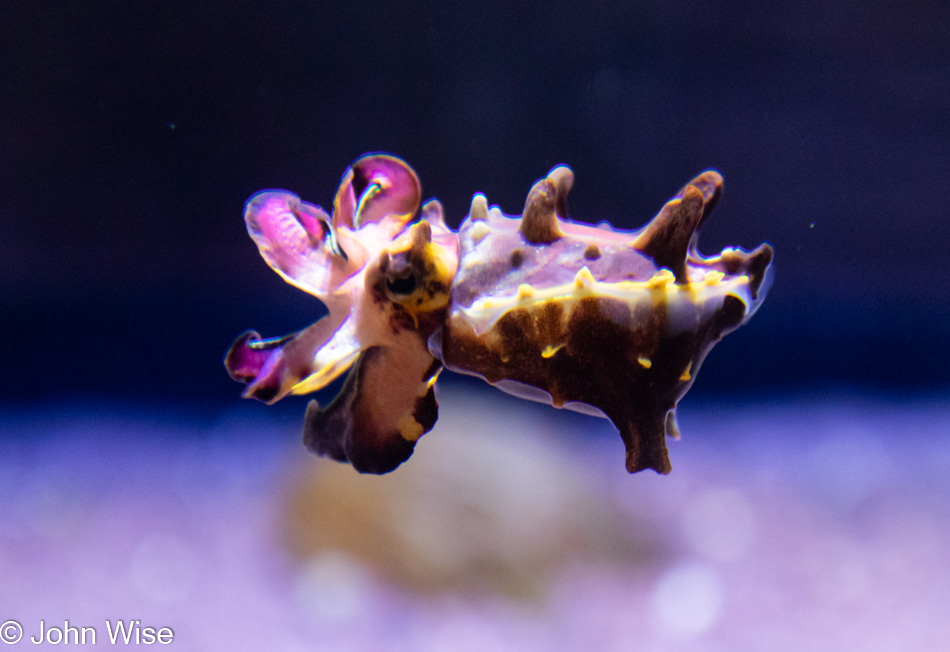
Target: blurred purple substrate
(796,525)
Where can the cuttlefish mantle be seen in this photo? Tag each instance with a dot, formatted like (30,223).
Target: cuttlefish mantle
(594,319)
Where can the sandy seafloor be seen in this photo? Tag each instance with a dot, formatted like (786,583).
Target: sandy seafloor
(798,524)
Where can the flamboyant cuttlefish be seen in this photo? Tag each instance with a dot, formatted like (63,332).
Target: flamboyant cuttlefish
(589,318)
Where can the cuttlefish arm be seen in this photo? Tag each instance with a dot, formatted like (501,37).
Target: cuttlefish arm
(298,363)
(384,269)
(377,188)
(326,257)
(297,240)
(387,403)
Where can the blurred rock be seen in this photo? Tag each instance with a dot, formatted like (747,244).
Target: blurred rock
(492,502)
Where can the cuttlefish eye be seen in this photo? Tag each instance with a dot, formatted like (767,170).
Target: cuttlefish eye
(402,275)
(402,286)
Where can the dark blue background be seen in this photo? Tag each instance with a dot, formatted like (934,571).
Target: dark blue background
(132,132)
